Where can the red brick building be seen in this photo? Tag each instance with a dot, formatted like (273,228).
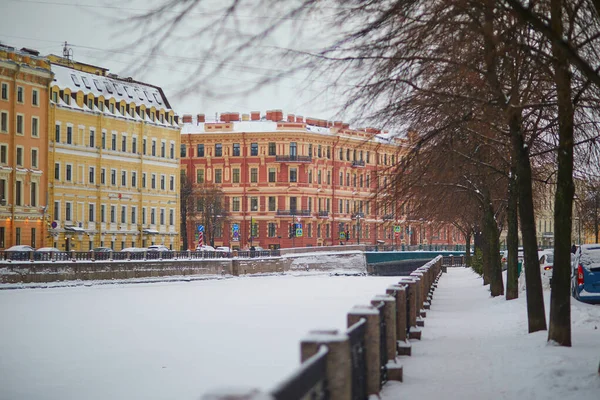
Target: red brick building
(319,174)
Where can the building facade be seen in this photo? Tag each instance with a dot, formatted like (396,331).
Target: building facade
(24,86)
(298,182)
(113,161)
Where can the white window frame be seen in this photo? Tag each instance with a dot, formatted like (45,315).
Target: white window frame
(21,91)
(67,179)
(67,216)
(22,118)
(91,207)
(67,136)
(2,87)
(36,158)
(35,97)
(92,173)
(4,115)
(22,163)
(57,215)
(5,147)
(35,122)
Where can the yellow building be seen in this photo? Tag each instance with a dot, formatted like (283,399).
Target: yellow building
(24,84)
(113,161)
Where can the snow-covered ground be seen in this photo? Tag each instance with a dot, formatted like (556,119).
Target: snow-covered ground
(166,340)
(477,347)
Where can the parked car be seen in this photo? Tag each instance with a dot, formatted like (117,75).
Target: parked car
(158,247)
(223,249)
(102,249)
(19,252)
(520,259)
(546,264)
(20,248)
(258,248)
(133,250)
(585,277)
(205,247)
(48,250)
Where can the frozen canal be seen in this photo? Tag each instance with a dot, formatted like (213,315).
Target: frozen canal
(166,340)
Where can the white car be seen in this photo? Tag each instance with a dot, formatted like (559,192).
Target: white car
(158,247)
(223,249)
(20,248)
(546,263)
(133,250)
(205,247)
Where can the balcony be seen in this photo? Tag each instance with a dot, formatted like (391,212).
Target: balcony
(388,217)
(358,215)
(323,214)
(293,213)
(358,163)
(548,234)
(290,158)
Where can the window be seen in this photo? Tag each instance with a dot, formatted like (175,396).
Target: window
(92,175)
(144,215)
(90,103)
(113,142)
(272,175)
(348,155)
(3,121)
(33,194)
(310,176)
(134,145)
(253,175)
(162,182)
(153,216)
(347,179)
(328,152)
(319,177)
(218,150)
(143,179)
(68,211)
(103,176)
(57,210)
(293,175)
(133,179)
(310,150)
(153,181)
(272,203)
(18,236)
(34,127)
(144,146)
(360,181)
(200,150)
(92,138)
(4,92)
(19,156)
(293,149)
(57,171)
(171,182)
(35,97)
(153,152)
(236,175)
(368,183)
(20,94)
(123,214)
(163,149)
(103,140)
(124,143)
(199,176)
(272,229)
(253,203)
(113,214)
(171,217)
(3,154)
(34,158)
(341,156)
(218,175)
(19,124)
(113,177)
(123,178)
(235,204)
(293,203)
(319,151)
(182,151)
(3,187)
(91,212)
(272,148)
(236,149)
(368,157)
(253,149)
(69,135)
(133,214)
(55,97)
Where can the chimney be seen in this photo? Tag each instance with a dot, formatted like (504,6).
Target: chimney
(255,115)
(201,118)
(234,116)
(299,118)
(245,117)
(291,118)
(224,117)
(277,115)
(269,115)
(338,124)
(345,126)
(187,118)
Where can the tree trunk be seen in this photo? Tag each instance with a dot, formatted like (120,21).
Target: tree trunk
(560,298)
(512,240)
(493,250)
(468,249)
(536,316)
(485,249)
(183,225)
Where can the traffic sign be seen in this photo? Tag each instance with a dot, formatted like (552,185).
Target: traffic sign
(342,235)
(299,232)
(54,224)
(396,228)
(200,228)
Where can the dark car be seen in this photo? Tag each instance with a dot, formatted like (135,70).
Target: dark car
(585,279)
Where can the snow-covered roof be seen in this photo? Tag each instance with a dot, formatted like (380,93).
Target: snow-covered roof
(109,87)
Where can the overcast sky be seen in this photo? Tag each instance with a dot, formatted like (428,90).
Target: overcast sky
(96,38)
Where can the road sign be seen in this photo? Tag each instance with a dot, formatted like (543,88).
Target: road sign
(200,228)
(342,235)
(298,232)
(396,228)
(235,228)
(397,234)
(54,224)
(298,219)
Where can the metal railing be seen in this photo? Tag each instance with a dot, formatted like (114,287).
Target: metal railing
(458,248)
(453,261)
(323,214)
(358,163)
(309,382)
(356,334)
(293,213)
(64,256)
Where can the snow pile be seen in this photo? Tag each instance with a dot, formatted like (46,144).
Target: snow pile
(477,347)
(341,261)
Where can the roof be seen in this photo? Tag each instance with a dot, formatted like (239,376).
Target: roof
(109,87)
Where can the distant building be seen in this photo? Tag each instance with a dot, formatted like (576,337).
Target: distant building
(114,161)
(299,182)
(24,86)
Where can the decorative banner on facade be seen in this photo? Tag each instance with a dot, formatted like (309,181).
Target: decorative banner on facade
(235,232)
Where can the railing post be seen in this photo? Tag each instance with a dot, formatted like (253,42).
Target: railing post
(402,344)
(372,344)
(411,300)
(73,255)
(420,291)
(339,361)
(92,255)
(189,254)
(390,322)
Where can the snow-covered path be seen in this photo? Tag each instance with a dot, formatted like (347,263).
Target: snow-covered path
(477,347)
